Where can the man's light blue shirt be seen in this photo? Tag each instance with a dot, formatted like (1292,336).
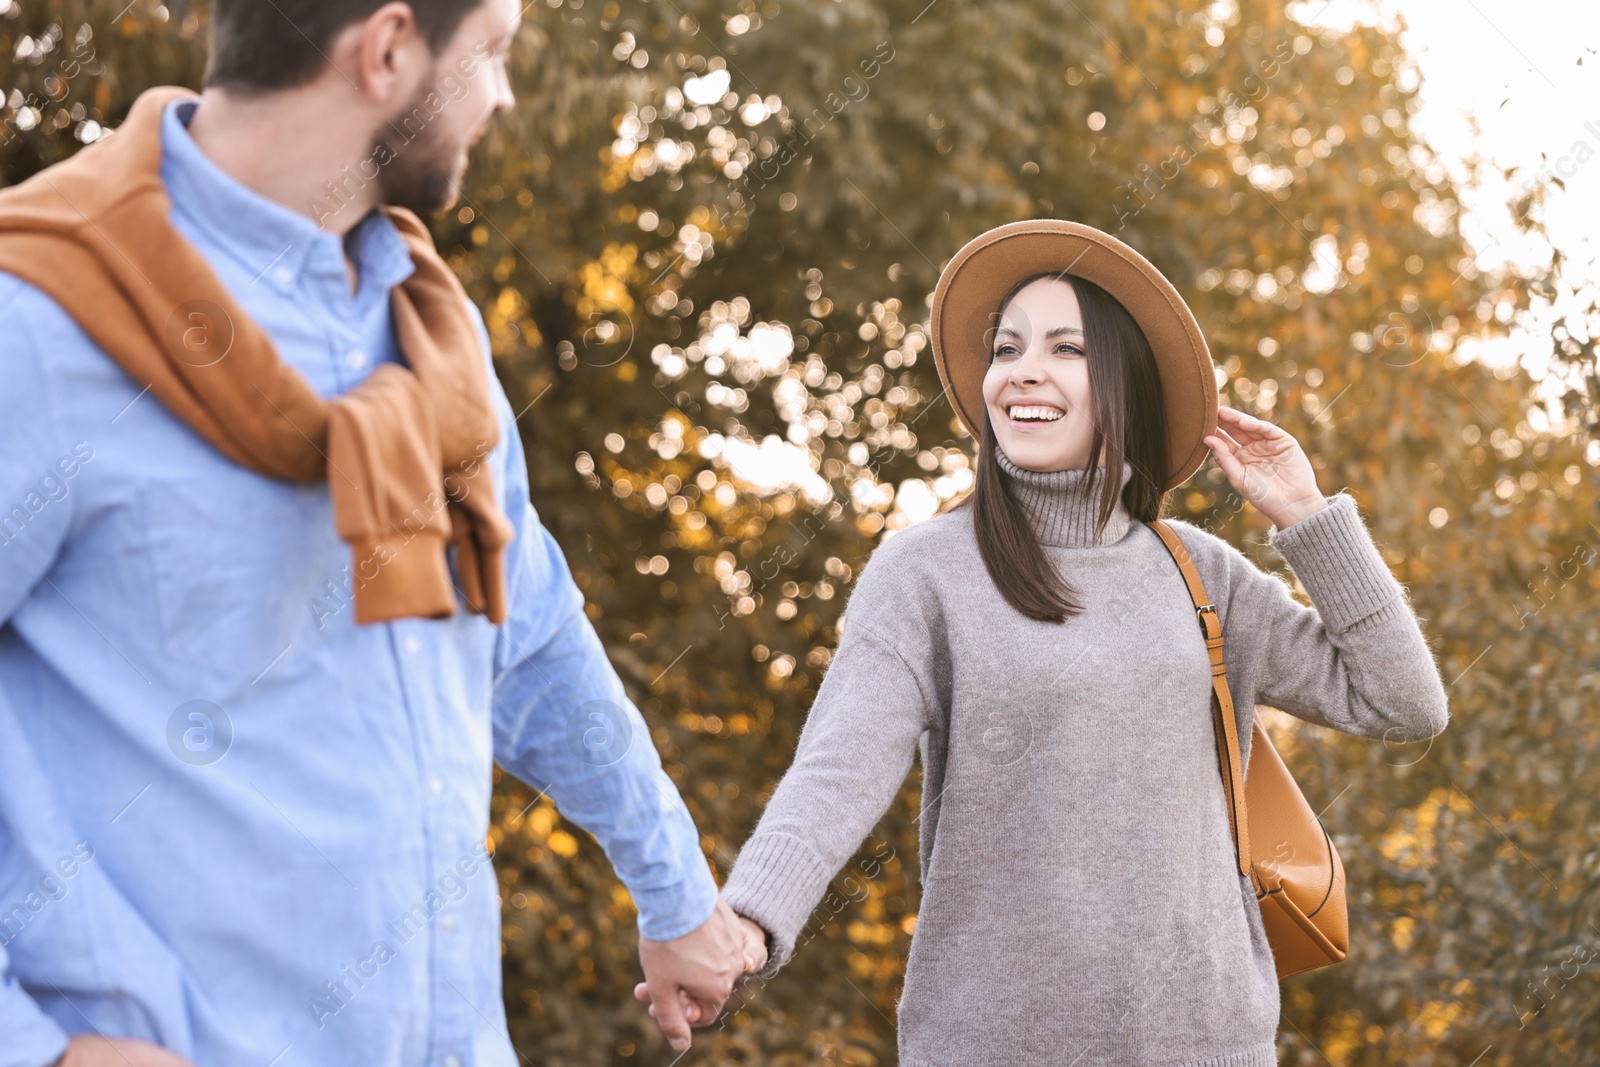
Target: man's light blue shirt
(231,820)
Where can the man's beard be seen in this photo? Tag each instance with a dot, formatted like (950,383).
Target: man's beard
(422,173)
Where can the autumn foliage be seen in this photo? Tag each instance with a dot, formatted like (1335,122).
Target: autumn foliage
(704,243)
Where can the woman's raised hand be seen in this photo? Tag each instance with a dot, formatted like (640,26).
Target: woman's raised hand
(1266,466)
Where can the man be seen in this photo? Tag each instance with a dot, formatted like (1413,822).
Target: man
(245,749)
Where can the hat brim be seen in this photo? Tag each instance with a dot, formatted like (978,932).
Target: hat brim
(971,286)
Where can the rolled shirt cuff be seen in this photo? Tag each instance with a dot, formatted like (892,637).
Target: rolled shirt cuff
(671,911)
(32,1038)
(1334,556)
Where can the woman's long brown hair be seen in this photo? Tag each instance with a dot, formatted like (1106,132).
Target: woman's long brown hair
(1129,423)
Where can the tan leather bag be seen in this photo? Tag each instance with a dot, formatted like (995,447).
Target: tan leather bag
(1278,840)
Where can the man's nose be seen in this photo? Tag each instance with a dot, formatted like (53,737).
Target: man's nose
(504,98)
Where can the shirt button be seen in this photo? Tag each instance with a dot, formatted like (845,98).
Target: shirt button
(284,275)
(355,359)
(452,1061)
(448,923)
(435,784)
(413,644)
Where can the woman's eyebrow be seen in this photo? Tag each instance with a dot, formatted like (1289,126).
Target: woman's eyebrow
(1057,332)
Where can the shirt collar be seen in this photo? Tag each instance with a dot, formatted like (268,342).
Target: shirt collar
(381,256)
(276,243)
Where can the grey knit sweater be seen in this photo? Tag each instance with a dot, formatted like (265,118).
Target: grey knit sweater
(1080,904)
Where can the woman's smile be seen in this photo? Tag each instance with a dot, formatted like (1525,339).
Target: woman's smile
(1033,416)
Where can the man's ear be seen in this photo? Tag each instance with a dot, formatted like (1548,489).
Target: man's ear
(386,52)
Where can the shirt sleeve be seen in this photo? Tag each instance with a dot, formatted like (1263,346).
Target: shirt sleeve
(564,724)
(33,528)
(855,750)
(32,1038)
(36,501)
(1355,661)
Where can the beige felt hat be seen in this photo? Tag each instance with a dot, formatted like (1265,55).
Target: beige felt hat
(977,278)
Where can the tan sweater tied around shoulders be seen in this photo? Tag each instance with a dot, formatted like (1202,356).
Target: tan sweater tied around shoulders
(401,452)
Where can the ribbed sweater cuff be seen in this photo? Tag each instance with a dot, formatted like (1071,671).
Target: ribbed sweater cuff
(776,881)
(1333,555)
(398,578)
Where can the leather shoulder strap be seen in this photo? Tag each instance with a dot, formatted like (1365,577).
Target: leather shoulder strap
(1225,725)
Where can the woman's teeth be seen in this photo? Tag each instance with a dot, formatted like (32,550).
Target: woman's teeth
(1035,413)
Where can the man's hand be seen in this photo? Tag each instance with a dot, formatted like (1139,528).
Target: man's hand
(688,979)
(88,1050)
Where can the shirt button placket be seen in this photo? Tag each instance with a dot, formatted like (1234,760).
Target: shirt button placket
(454,1019)
(434,783)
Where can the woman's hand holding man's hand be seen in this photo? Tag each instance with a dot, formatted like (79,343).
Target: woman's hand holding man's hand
(691,990)
(689,978)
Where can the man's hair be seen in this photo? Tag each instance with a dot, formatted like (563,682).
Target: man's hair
(262,45)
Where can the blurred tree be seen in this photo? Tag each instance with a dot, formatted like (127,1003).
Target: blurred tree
(704,243)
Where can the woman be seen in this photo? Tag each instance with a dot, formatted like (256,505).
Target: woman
(1081,902)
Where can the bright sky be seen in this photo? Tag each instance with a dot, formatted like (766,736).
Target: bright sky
(1501,79)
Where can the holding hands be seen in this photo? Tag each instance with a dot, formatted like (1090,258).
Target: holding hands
(688,979)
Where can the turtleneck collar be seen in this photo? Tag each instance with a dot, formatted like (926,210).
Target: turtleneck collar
(1062,509)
